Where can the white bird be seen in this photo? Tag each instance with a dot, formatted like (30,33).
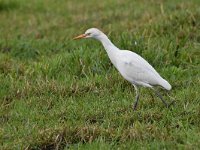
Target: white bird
(131,66)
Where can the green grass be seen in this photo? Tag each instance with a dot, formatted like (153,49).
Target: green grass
(56,93)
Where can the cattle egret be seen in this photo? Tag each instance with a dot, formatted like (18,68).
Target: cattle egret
(131,66)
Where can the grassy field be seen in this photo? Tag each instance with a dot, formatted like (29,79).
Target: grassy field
(56,93)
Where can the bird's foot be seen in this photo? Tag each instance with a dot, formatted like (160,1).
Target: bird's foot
(134,107)
(171,103)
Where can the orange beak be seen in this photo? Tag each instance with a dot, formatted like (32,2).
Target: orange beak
(80,36)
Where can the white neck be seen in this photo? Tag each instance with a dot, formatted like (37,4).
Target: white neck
(107,44)
(110,48)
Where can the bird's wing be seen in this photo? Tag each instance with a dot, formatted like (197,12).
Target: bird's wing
(136,69)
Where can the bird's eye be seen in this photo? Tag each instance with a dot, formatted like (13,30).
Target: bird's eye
(88,33)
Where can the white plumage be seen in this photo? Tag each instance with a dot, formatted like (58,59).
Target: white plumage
(138,71)
(131,66)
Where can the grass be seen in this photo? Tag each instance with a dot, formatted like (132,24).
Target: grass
(56,93)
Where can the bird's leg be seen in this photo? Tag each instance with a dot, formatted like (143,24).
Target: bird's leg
(136,97)
(173,100)
(161,98)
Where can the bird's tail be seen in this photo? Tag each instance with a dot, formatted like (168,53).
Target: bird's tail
(165,85)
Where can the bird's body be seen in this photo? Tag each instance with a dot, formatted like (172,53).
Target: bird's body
(137,70)
(131,66)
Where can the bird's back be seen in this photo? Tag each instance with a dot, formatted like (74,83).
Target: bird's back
(137,70)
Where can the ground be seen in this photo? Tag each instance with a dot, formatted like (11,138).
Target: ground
(57,93)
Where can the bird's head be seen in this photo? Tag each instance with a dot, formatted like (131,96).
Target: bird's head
(90,33)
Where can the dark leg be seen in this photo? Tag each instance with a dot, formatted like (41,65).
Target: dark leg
(161,98)
(136,97)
